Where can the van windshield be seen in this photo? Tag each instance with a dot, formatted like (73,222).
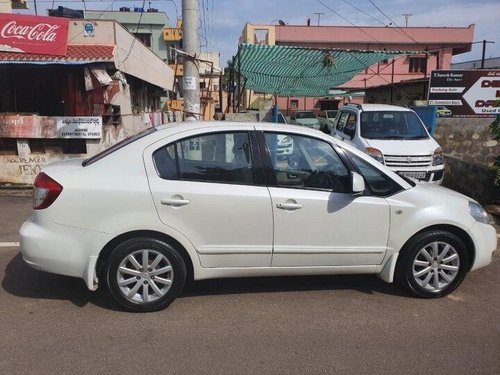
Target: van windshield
(392,125)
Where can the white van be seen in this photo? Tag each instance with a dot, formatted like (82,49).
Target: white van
(395,136)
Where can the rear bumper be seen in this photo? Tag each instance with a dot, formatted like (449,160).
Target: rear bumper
(485,241)
(62,250)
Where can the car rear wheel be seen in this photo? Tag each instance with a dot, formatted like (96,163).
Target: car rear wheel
(145,274)
(432,264)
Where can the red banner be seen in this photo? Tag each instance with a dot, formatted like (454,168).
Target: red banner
(33,34)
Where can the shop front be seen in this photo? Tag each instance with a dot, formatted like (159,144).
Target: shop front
(75,95)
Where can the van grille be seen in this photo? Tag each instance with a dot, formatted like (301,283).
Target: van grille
(408,160)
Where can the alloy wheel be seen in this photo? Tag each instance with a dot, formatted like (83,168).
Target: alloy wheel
(144,276)
(435,266)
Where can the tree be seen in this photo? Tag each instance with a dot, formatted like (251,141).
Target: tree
(495,129)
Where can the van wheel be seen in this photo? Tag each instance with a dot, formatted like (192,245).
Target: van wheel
(432,264)
(145,274)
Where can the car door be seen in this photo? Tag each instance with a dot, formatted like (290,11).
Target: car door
(317,221)
(204,186)
(347,123)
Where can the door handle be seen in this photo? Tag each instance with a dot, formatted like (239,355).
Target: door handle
(175,202)
(289,206)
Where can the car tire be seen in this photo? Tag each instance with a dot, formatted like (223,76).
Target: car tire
(432,264)
(145,274)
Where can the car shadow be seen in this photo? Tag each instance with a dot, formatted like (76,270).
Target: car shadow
(22,281)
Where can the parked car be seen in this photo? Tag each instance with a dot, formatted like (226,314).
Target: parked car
(281,118)
(305,118)
(394,136)
(213,200)
(326,119)
(443,111)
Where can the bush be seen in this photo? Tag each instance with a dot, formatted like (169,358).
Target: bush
(495,129)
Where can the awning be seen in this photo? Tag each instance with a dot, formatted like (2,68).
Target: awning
(299,71)
(76,55)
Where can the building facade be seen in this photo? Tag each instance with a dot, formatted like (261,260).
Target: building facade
(91,91)
(401,80)
(146,25)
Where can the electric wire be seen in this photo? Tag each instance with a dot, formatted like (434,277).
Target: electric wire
(134,40)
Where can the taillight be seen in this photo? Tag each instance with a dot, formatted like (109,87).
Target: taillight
(45,192)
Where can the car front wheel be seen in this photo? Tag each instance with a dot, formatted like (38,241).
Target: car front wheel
(432,264)
(145,274)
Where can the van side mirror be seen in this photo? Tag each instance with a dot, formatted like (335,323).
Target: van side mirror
(358,183)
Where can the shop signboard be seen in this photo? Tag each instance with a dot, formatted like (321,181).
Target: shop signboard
(466,93)
(19,126)
(33,34)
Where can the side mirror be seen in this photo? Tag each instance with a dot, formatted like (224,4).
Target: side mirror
(358,183)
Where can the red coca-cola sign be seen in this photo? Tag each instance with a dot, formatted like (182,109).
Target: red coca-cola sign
(33,34)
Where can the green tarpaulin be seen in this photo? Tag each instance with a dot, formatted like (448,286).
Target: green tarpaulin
(299,71)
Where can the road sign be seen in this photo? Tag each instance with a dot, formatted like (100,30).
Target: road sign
(466,93)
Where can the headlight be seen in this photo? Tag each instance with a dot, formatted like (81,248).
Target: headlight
(375,153)
(438,157)
(479,213)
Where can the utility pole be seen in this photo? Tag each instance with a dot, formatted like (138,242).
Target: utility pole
(191,78)
(407,16)
(484,52)
(319,16)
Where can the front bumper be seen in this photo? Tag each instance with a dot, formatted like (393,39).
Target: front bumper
(433,176)
(62,250)
(485,241)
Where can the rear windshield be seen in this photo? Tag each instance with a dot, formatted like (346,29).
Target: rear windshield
(392,125)
(305,115)
(117,146)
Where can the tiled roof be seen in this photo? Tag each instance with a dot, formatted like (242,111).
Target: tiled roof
(77,53)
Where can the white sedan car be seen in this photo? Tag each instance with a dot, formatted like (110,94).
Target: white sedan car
(214,200)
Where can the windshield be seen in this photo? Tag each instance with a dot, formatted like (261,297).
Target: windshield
(392,125)
(305,115)
(331,114)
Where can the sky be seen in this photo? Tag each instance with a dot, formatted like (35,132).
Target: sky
(222,21)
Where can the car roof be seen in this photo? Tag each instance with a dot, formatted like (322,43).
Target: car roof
(377,107)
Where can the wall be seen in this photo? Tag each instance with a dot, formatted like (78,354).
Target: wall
(151,23)
(5,6)
(470,152)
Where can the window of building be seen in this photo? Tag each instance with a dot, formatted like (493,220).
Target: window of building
(144,38)
(418,64)
(261,36)
(221,157)
(8,146)
(308,163)
(294,103)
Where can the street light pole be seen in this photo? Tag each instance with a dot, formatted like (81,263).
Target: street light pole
(191,78)
(484,51)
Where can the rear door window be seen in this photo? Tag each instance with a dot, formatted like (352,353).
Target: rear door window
(221,157)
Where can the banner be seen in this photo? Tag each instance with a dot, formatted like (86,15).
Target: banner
(33,34)
(82,127)
(466,93)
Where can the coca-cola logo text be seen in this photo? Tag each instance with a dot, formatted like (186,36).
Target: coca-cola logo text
(41,32)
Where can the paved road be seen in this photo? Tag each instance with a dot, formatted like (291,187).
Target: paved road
(341,324)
